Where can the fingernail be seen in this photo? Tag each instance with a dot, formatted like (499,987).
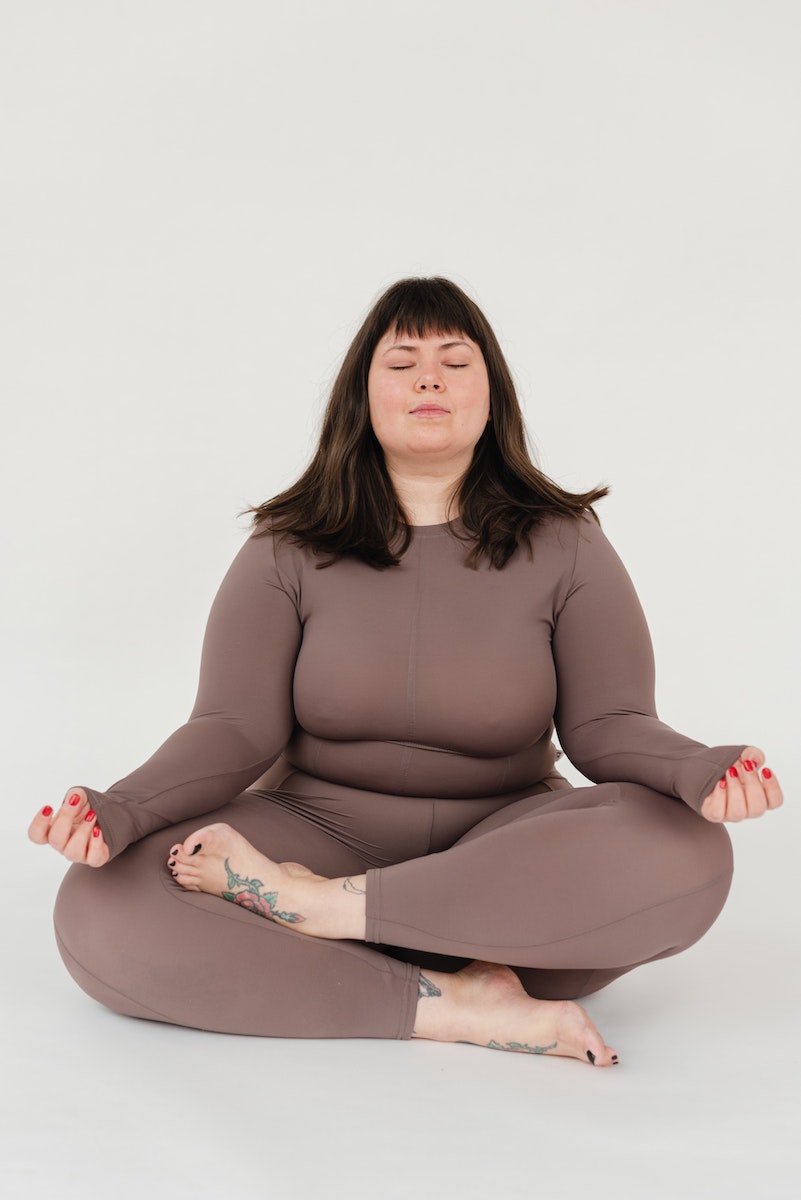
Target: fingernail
(722,783)
(90,816)
(76,799)
(591,1057)
(733,772)
(767,773)
(749,766)
(47,811)
(199,846)
(96,831)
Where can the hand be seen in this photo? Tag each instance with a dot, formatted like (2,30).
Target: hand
(72,830)
(743,792)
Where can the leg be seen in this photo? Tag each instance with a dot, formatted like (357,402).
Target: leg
(593,879)
(596,879)
(616,874)
(141,945)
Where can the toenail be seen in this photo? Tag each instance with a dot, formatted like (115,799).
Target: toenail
(591,1057)
(171,863)
(199,846)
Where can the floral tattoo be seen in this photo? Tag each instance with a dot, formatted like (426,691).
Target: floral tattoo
(253,898)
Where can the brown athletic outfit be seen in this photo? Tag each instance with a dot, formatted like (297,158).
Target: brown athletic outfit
(403,718)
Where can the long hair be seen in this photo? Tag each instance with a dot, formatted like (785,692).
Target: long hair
(344,502)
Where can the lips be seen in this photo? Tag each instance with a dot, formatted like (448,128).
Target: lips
(429,408)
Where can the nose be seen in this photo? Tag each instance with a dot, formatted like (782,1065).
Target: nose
(428,381)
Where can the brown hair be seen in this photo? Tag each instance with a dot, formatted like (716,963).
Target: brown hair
(344,503)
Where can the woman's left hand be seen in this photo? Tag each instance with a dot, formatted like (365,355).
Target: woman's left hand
(748,789)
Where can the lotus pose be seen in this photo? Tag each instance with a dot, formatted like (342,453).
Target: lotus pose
(360,830)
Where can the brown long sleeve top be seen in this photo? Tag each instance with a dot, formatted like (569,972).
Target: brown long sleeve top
(425,679)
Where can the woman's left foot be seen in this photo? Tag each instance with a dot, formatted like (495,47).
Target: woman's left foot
(218,860)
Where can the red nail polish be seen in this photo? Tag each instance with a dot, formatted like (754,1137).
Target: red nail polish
(733,772)
(75,799)
(767,773)
(96,831)
(90,816)
(47,811)
(749,766)
(722,783)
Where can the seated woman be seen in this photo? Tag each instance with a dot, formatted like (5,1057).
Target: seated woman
(369,763)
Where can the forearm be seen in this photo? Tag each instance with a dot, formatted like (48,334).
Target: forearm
(200,767)
(639,748)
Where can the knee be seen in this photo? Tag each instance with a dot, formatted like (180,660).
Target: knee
(98,921)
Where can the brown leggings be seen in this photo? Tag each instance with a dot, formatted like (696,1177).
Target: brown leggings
(572,887)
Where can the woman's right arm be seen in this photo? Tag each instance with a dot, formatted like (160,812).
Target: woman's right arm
(241,720)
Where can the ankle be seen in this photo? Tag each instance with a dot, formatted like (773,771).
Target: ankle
(336,908)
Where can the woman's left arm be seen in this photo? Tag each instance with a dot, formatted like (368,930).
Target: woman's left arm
(605,713)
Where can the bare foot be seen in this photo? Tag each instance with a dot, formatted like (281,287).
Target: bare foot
(218,860)
(486,1004)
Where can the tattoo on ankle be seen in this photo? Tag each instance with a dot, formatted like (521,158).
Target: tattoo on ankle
(426,988)
(350,886)
(521,1047)
(255,899)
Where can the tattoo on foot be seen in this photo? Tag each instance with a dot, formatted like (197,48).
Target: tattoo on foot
(426,988)
(350,886)
(255,900)
(521,1047)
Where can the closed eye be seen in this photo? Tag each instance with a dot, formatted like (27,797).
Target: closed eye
(453,366)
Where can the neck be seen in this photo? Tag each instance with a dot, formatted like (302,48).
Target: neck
(425,496)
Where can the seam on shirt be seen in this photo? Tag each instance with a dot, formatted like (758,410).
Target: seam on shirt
(411,678)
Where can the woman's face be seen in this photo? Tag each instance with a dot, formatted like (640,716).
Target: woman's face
(429,399)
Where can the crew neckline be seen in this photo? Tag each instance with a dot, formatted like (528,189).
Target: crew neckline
(434,530)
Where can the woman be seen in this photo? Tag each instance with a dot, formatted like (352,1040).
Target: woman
(383,668)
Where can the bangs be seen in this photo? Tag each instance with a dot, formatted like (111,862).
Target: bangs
(426,307)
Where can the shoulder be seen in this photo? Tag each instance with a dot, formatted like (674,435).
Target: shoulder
(565,533)
(272,559)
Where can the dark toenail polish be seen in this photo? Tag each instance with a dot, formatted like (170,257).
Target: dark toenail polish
(199,846)
(591,1057)
(171,863)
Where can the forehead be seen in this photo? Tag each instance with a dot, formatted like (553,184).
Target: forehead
(439,337)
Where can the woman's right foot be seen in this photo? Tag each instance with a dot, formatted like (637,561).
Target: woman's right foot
(486,1004)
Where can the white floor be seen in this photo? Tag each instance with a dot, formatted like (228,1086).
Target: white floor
(704,1103)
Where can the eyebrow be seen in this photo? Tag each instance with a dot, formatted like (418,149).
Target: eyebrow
(444,346)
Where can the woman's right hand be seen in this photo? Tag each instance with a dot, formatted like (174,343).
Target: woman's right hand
(72,830)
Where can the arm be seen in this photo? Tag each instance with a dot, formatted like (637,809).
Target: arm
(242,716)
(605,715)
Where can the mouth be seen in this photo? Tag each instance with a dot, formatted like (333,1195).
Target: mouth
(429,409)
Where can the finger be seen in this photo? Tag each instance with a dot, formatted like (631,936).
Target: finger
(754,754)
(714,805)
(735,796)
(98,853)
(773,792)
(77,846)
(67,818)
(756,802)
(40,826)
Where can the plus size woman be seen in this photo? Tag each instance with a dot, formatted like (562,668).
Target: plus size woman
(360,831)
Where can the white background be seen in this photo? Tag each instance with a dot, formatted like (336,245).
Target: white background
(200,201)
